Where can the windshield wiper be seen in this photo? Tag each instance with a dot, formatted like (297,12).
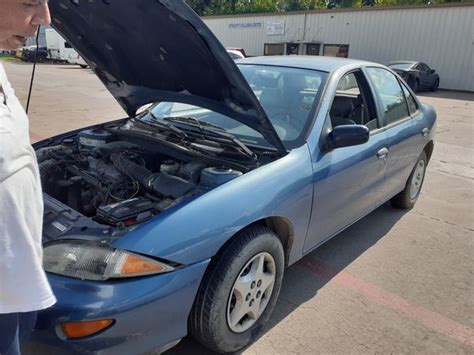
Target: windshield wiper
(166,126)
(191,120)
(209,129)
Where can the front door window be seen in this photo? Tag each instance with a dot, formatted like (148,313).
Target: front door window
(353,102)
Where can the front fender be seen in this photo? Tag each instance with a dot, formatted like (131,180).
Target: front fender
(196,229)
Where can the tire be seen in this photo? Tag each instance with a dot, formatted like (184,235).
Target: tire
(407,198)
(218,297)
(435,85)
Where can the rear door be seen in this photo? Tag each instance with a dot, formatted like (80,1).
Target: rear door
(348,182)
(401,121)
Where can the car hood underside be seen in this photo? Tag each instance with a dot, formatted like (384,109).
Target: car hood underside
(147,51)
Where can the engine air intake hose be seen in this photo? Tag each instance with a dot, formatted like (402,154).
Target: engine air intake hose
(137,172)
(161,183)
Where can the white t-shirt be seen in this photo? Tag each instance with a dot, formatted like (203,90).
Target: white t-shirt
(23,283)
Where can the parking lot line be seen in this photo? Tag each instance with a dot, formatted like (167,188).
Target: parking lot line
(430,319)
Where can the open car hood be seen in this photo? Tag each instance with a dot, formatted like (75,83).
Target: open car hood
(146,51)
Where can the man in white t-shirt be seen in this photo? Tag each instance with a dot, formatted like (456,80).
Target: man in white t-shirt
(24,288)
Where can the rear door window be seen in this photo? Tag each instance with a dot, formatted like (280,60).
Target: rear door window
(390,94)
(412,106)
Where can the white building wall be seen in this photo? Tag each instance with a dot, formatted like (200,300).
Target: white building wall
(441,36)
(253,39)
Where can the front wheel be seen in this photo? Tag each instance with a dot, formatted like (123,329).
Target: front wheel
(435,85)
(239,291)
(407,198)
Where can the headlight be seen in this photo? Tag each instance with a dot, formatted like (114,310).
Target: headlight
(89,261)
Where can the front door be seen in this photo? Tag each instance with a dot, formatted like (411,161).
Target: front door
(348,182)
(425,75)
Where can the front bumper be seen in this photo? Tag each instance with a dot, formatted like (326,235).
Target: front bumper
(150,313)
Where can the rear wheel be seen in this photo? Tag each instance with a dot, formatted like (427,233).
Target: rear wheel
(407,198)
(435,85)
(239,291)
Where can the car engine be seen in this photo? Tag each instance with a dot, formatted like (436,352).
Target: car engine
(119,183)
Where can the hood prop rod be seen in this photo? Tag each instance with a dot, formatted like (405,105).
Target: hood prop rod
(34,69)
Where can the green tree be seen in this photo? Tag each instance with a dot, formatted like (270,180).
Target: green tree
(199,6)
(228,7)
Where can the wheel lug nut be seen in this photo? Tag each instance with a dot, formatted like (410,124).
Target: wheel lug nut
(259,283)
(252,286)
(258,294)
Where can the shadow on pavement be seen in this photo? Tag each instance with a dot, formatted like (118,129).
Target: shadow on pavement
(16,61)
(60,65)
(71,67)
(298,287)
(446,94)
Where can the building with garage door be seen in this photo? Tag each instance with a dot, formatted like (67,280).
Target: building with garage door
(439,35)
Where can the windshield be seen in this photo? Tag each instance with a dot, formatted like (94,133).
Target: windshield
(286,94)
(403,66)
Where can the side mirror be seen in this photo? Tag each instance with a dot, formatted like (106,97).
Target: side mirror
(432,71)
(347,135)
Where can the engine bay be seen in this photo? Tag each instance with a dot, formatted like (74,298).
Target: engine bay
(119,183)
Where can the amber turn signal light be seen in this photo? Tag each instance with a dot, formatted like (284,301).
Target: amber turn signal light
(138,265)
(86,328)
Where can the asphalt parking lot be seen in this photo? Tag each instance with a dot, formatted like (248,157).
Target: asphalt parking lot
(395,282)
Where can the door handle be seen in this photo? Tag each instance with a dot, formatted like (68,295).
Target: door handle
(382,153)
(425,132)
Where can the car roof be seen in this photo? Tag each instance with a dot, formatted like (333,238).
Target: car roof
(321,63)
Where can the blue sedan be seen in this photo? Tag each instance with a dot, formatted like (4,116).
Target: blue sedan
(184,215)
